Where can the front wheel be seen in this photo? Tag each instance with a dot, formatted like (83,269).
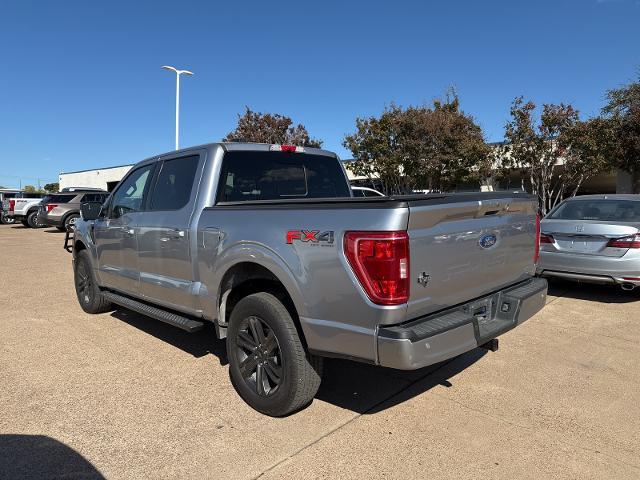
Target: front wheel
(268,364)
(89,294)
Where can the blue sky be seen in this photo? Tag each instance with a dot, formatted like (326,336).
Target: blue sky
(81,84)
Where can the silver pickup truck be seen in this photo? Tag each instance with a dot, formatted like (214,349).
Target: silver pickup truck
(266,242)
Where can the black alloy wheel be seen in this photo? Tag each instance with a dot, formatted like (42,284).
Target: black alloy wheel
(260,357)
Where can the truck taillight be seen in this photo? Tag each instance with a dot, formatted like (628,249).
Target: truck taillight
(536,254)
(632,241)
(50,206)
(380,261)
(12,205)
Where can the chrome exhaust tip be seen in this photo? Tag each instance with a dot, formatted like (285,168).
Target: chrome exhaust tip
(627,287)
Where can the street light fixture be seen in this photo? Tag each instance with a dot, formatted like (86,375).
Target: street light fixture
(178,73)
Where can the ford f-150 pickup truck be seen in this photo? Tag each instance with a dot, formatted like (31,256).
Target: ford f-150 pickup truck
(266,242)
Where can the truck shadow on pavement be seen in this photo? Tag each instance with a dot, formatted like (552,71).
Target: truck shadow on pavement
(593,293)
(39,456)
(347,384)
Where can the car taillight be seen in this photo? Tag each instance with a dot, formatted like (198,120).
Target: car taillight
(380,261)
(545,238)
(632,241)
(12,205)
(536,253)
(50,206)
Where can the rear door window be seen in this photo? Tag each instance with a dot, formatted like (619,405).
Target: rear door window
(254,175)
(58,199)
(175,183)
(95,197)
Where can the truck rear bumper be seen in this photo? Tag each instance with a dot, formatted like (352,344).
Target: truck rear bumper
(437,337)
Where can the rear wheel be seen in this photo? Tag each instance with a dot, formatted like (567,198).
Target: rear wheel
(32,219)
(268,364)
(89,294)
(70,221)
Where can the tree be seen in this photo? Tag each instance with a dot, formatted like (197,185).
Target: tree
(623,114)
(554,154)
(435,147)
(30,189)
(52,187)
(270,128)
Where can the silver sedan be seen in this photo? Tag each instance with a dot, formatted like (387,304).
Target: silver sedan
(593,238)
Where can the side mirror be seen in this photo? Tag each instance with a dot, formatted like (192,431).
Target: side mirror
(90,210)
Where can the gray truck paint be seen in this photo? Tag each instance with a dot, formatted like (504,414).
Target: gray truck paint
(178,259)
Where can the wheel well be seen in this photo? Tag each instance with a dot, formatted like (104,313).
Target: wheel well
(78,246)
(246,278)
(67,215)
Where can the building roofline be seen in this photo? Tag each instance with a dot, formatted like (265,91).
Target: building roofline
(101,168)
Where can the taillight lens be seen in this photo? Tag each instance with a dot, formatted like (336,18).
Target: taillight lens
(536,253)
(12,205)
(632,241)
(50,206)
(545,238)
(380,260)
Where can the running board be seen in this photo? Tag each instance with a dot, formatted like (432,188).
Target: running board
(167,317)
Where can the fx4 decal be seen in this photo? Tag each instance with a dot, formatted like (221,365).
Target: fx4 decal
(314,237)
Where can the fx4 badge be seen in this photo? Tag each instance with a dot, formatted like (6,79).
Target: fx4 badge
(314,237)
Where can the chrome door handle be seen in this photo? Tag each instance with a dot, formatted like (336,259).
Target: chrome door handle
(128,232)
(172,235)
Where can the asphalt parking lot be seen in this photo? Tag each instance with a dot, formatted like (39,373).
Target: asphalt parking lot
(119,395)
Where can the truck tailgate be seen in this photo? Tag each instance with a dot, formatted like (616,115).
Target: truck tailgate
(462,250)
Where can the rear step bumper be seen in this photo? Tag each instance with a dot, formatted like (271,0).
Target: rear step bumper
(434,338)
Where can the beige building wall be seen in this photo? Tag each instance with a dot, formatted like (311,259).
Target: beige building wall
(98,178)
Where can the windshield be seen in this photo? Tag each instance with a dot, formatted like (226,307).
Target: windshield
(598,210)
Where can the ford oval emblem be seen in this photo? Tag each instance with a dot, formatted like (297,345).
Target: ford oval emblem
(488,241)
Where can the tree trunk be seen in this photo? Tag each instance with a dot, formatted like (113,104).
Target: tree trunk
(635,181)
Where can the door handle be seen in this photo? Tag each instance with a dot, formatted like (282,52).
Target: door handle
(172,235)
(127,232)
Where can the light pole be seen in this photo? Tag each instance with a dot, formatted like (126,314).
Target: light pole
(178,73)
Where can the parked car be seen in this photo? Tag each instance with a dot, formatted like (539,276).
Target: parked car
(266,242)
(23,207)
(6,193)
(365,192)
(62,210)
(593,239)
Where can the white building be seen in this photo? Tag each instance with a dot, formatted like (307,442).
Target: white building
(104,178)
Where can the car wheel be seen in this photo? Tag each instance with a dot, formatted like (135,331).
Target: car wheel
(89,294)
(70,221)
(8,220)
(268,365)
(32,219)
(24,222)
(60,229)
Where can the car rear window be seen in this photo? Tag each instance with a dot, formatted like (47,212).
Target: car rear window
(598,210)
(255,175)
(95,197)
(58,198)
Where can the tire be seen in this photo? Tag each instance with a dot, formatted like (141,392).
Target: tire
(60,229)
(70,221)
(24,223)
(7,220)
(32,219)
(89,295)
(260,324)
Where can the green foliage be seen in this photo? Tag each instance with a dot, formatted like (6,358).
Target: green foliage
(555,153)
(52,187)
(433,148)
(30,189)
(622,112)
(270,128)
